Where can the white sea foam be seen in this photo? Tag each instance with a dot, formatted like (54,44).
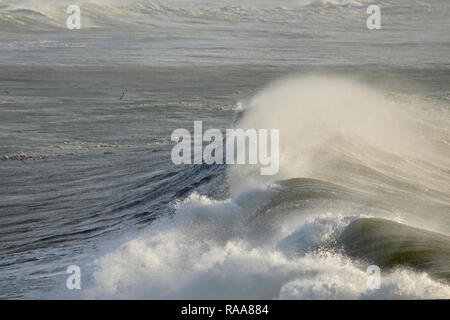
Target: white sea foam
(204,252)
(345,281)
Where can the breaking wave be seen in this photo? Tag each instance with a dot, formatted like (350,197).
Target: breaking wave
(362,181)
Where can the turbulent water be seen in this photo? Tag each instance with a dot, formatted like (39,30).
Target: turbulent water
(86,176)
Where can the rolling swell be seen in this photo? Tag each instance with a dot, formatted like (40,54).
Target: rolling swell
(27,15)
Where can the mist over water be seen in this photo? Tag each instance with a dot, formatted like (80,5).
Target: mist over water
(85,124)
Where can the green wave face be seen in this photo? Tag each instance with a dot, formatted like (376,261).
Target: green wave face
(390,244)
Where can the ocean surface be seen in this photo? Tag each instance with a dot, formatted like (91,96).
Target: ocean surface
(86,176)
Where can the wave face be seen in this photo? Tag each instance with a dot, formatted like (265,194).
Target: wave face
(389,244)
(363,180)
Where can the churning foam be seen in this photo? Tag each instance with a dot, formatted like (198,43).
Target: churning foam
(204,252)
